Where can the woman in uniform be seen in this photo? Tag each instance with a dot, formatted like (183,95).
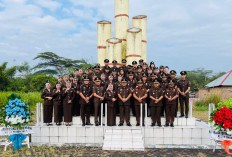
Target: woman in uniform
(48,104)
(58,104)
(111,97)
(68,98)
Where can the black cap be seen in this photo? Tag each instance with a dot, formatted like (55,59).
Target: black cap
(144,75)
(114,62)
(173,72)
(107,68)
(60,76)
(152,62)
(156,68)
(161,67)
(166,67)
(124,80)
(144,64)
(65,74)
(86,78)
(71,75)
(153,74)
(171,82)
(134,62)
(97,67)
(183,72)
(114,70)
(97,79)
(164,75)
(76,69)
(139,67)
(106,61)
(124,61)
(155,81)
(141,61)
(130,73)
(140,81)
(48,81)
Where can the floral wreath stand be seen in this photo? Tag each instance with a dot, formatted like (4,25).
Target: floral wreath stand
(6,132)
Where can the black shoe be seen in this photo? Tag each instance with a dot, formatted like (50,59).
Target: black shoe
(159,125)
(129,124)
(171,125)
(83,124)
(69,125)
(143,124)
(181,116)
(166,125)
(137,124)
(120,124)
(96,124)
(88,124)
(186,116)
(152,125)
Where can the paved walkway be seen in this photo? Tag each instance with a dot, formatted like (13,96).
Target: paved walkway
(69,151)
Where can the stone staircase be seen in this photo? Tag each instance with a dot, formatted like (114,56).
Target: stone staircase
(123,139)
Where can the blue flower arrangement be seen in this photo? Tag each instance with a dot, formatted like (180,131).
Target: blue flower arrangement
(16,113)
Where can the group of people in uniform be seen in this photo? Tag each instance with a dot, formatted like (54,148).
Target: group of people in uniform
(123,89)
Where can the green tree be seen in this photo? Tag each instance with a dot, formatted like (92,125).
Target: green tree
(6,75)
(53,64)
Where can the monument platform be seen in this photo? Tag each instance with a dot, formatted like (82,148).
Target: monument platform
(187,131)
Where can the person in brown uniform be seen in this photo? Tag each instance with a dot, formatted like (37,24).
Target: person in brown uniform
(58,103)
(134,64)
(114,62)
(124,67)
(156,95)
(132,84)
(48,104)
(68,95)
(171,94)
(60,80)
(175,80)
(124,95)
(111,97)
(140,95)
(99,94)
(164,86)
(85,96)
(76,105)
(183,87)
(106,62)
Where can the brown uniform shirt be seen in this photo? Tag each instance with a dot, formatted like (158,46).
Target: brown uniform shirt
(109,95)
(183,85)
(69,95)
(140,92)
(86,91)
(99,90)
(170,93)
(156,93)
(124,92)
(131,84)
(164,85)
(47,93)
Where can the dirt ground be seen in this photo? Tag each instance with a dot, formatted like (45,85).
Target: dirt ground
(72,151)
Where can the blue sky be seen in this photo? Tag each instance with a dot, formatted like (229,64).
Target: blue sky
(182,34)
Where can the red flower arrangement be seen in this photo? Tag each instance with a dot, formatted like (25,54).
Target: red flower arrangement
(223,117)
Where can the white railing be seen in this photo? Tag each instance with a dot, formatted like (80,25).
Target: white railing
(39,114)
(141,115)
(211,108)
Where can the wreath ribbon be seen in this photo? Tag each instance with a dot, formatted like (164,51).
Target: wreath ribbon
(226,145)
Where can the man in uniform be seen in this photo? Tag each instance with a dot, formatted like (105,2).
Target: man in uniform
(97,71)
(60,81)
(183,87)
(124,67)
(171,95)
(98,93)
(114,66)
(175,80)
(139,73)
(131,83)
(124,95)
(106,62)
(85,94)
(134,64)
(141,62)
(140,95)
(156,96)
(164,86)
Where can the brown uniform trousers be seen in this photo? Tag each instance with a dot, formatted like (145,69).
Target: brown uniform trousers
(99,90)
(76,104)
(170,105)
(124,92)
(48,105)
(132,85)
(164,86)
(139,92)
(156,107)
(67,107)
(184,100)
(58,106)
(111,107)
(85,107)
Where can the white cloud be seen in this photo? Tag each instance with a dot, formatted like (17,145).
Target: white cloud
(49,4)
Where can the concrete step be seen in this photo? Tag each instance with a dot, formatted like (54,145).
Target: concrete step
(123,139)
